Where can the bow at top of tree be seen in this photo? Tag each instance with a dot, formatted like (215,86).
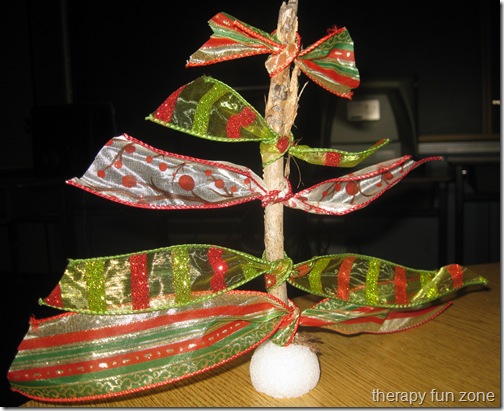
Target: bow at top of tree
(329,62)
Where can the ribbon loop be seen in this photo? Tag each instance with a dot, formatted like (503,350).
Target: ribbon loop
(135,174)
(168,277)
(182,275)
(370,281)
(210,324)
(348,318)
(278,196)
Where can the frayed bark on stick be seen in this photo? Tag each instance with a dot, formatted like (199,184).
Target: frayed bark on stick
(281,109)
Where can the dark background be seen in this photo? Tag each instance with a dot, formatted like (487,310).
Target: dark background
(125,58)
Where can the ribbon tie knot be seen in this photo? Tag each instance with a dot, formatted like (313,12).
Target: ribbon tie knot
(278,196)
(280,271)
(287,328)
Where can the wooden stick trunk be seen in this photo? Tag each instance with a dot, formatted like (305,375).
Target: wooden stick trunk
(281,109)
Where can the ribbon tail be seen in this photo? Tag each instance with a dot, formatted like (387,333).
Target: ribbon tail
(370,281)
(132,173)
(78,357)
(333,157)
(163,278)
(232,39)
(330,63)
(210,109)
(349,193)
(348,318)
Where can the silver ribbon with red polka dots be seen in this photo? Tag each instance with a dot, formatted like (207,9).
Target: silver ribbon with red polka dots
(133,173)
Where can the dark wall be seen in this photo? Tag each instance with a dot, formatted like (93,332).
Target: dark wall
(132,54)
(135,55)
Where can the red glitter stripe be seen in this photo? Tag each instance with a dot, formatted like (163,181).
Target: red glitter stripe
(139,283)
(457,275)
(243,119)
(344,278)
(129,359)
(113,331)
(332,159)
(219,267)
(166,110)
(400,285)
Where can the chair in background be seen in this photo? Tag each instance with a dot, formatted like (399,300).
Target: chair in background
(385,107)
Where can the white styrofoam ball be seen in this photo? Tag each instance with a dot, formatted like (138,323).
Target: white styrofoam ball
(284,372)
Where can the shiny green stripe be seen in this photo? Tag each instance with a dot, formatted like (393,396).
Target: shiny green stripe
(95,285)
(429,288)
(346,70)
(315,275)
(321,52)
(181,265)
(242,40)
(204,108)
(372,282)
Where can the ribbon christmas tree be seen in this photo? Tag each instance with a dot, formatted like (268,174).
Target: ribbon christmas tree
(145,319)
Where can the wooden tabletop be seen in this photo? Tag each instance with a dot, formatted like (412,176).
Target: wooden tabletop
(452,361)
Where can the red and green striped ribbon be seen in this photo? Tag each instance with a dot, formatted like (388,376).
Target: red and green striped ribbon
(233,39)
(348,318)
(176,315)
(183,275)
(79,357)
(329,62)
(373,282)
(168,277)
(210,109)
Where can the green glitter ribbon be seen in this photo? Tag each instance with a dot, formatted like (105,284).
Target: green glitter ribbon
(210,109)
(186,274)
(95,285)
(176,314)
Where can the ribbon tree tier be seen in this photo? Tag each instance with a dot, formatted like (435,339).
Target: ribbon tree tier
(136,321)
